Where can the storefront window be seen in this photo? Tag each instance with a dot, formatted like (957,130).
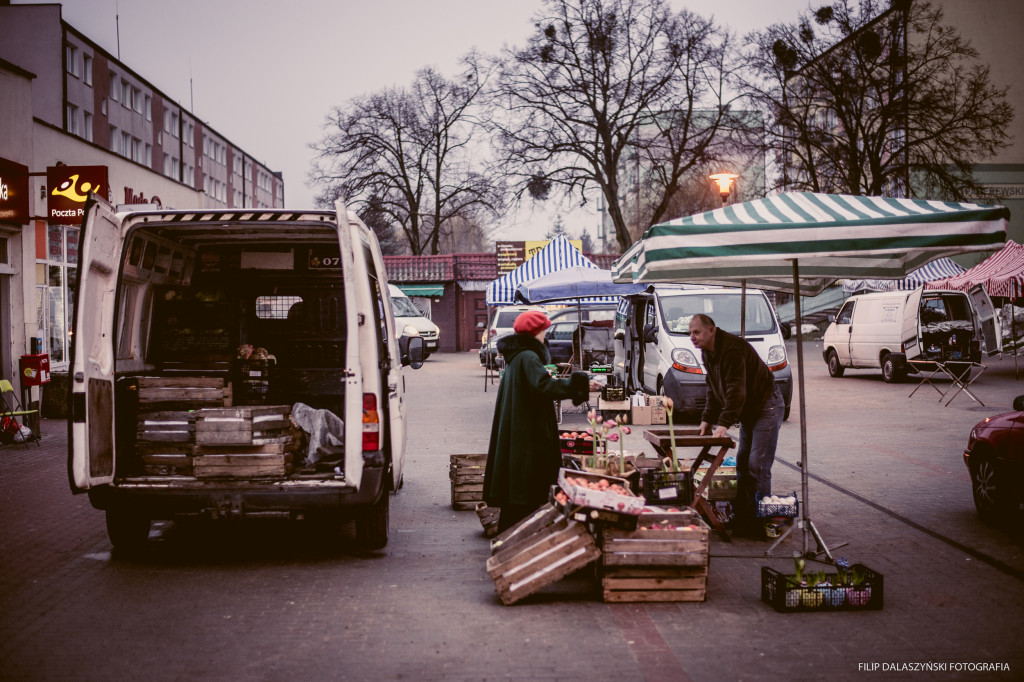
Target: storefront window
(55,292)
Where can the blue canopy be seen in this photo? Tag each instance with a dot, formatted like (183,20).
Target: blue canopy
(557,255)
(588,285)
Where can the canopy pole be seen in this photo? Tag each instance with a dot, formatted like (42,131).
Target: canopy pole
(743,307)
(805,515)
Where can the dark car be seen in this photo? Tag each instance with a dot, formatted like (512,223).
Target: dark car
(559,341)
(995,459)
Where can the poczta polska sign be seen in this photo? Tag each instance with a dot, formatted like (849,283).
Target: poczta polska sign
(69,188)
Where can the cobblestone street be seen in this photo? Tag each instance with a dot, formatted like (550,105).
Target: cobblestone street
(283,600)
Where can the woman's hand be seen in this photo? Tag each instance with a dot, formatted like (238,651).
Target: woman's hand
(595,386)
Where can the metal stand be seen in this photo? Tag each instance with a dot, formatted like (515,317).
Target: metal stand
(804,523)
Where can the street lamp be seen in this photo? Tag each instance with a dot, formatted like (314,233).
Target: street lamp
(724,182)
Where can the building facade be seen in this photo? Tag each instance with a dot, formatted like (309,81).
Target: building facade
(67,104)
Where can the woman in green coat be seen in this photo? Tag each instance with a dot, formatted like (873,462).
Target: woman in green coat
(524,455)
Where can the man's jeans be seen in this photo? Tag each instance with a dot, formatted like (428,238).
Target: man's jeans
(755,456)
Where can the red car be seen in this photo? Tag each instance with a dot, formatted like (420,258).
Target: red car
(995,458)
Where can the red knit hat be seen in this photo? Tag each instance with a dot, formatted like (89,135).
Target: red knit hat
(531,322)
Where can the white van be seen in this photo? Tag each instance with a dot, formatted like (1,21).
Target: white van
(203,340)
(653,351)
(408,315)
(886,329)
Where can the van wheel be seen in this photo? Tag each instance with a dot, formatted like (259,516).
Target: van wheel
(889,372)
(372,523)
(835,369)
(127,529)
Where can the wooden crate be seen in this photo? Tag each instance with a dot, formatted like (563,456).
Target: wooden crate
(466,473)
(170,393)
(654,584)
(544,558)
(237,465)
(166,427)
(656,564)
(544,517)
(251,425)
(488,518)
(167,464)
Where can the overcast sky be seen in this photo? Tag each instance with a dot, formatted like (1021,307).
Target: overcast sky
(265,74)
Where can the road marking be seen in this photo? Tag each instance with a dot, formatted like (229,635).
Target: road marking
(654,658)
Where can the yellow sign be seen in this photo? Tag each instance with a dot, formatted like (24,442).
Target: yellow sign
(533,248)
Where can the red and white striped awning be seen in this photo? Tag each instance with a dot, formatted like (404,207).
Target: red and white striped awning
(1002,274)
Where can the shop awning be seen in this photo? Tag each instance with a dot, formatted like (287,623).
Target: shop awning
(421,290)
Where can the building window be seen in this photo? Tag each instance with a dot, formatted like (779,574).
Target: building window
(149,108)
(137,100)
(126,94)
(71,113)
(174,124)
(167,120)
(126,144)
(114,87)
(71,56)
(87,125)
(149,156)
(115,140)
(55,288)
(103,107)
(87,69)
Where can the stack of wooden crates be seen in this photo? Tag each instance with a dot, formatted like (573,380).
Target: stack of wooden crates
(187,427)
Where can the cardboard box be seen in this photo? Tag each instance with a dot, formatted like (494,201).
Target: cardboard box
(641,416)
(659,415)
(656,401)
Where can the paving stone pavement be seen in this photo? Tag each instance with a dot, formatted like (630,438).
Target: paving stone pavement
(277,599)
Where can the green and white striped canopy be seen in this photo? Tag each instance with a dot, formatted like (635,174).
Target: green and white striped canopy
(832,236)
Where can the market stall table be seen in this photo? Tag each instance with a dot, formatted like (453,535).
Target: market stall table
(950,369)
(661,440)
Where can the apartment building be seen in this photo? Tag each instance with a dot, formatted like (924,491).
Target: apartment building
(71,108)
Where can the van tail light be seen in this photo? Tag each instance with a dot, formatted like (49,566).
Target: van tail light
(776,368)
(371,423)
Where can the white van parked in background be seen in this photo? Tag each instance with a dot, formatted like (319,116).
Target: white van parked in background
(202,338)
(408,315)
(886,329)
(653,351)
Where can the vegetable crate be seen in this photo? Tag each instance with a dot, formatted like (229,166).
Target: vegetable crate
(254,381)
(723,483)
(782,592)
(488,518)
(664,560)
(765,509)
(574,442)
(596,505)
(466,473)
(526,562)
(667,487)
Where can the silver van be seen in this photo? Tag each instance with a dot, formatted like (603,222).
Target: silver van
(653,351)
(233,363)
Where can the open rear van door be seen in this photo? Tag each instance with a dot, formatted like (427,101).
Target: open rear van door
(910,336)
(988,318)
(91,437)
(353,417)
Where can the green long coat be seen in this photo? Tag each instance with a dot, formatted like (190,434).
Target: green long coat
(524,455)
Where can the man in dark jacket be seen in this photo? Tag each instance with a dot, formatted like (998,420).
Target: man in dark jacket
(741,389)
(524,455)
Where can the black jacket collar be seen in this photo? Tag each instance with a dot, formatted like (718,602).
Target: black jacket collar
(514,344)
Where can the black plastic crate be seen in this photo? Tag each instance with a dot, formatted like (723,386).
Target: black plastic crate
(664,487)
(613,393)
(765,510)
(778,590)
(253,383)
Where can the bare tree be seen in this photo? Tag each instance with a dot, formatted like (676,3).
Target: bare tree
(411,152)
(874,98)
(599,81)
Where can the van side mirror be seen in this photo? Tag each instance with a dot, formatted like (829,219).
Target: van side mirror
(831,317)
(787,331)
(1018,403)
(650,334)
(620,334)
(411,348)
